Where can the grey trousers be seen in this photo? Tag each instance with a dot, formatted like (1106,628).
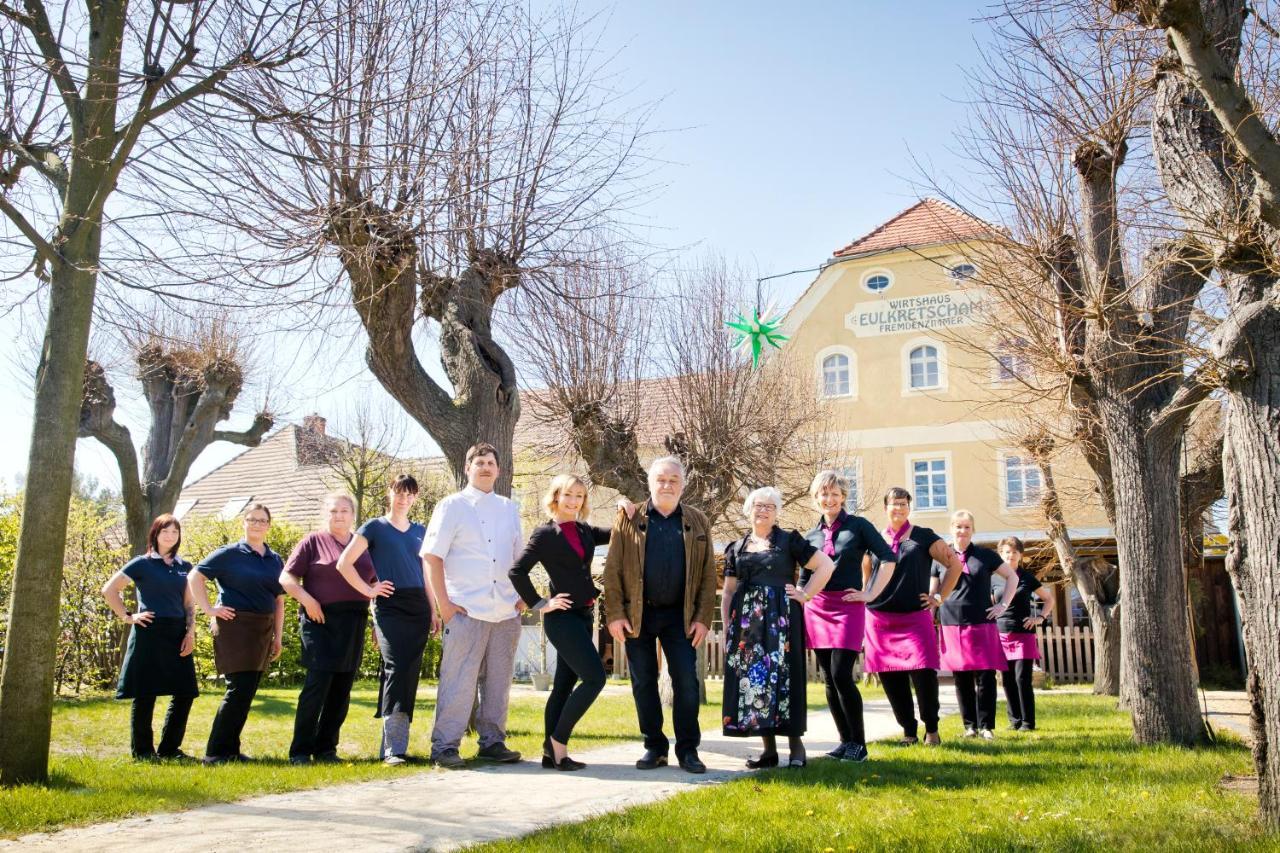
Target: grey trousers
(473,646)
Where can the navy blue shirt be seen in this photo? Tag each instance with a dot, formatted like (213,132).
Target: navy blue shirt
(971,599)
(664,558)
(246,580)
(911,576)
(854,536)
(395,554)
(160,585)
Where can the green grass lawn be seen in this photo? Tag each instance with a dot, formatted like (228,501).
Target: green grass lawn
(1076,783)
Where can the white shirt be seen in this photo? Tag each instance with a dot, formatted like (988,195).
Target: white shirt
(477,534)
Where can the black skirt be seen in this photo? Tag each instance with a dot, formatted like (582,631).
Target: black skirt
(152,664)
(402,625)
(337,644)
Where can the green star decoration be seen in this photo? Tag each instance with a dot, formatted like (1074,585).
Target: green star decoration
(761,329)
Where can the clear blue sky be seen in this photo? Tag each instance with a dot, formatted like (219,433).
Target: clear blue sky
(792,130)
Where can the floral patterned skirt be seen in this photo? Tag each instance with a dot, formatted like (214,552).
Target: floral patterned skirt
(764,666)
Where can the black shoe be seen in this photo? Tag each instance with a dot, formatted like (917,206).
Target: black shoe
(299,759)
(176,755)
(838,752)
(449,760)
(855,752)
(237,758)
(330,757)
(145,756)
(691,763)
(498,752)
(565,763)
(651,760)
(766,759)
(1027,727)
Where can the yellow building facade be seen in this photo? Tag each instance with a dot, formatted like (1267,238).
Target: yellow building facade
(891,330)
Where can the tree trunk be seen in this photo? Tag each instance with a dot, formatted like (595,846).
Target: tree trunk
(1105,621)
(1157,683)
(1252,453)
(26,685)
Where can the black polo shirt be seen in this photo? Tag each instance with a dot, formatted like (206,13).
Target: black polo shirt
(664,567)
(854,536)
(971,599)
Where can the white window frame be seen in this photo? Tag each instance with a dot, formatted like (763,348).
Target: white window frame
(1002,480)
(852,471)
(822,356)
(909,461)
(233,507)
(869,274)
(957,280)
(944,379)
(1020,361)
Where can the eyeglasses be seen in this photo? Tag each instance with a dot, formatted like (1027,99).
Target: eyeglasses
(257,521)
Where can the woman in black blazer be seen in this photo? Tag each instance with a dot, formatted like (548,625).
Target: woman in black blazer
(564,546)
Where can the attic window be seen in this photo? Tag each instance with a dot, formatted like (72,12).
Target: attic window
(877,281)
(183,507)
(234,507)
(962,272)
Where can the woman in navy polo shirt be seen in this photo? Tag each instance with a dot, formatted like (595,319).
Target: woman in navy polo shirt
(157,660)
(970,641)
(403,619)
(247,624)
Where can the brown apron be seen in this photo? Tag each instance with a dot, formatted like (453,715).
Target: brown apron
(243,644)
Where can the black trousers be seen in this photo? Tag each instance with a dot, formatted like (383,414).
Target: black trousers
(976,693)
(175,726)
(897,687)
(665,625)
(1019,694)
(322,709)
(577,662)
(224,737)
(843,697)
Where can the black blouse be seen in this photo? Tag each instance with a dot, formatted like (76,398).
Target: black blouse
(911,577)
(854,537)
(567,571)
(1012,621)
(788,551)
(969,602)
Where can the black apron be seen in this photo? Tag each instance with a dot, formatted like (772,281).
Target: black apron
(402,625)
(337,645)
(152,664)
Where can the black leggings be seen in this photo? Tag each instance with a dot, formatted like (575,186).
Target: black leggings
(322,709)
(897,687)
(224,737)
(843,697)
(1019,693)
(175,726)
(577,661)
(976,693)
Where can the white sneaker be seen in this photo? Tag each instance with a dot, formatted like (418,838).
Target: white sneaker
(970,733)
(987,734)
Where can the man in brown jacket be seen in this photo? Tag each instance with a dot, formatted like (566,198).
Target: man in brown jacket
(660,587)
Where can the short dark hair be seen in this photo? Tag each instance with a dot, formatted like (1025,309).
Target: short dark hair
(896,493)
(153,537)
(405,483)
(1013,542)
(484,448)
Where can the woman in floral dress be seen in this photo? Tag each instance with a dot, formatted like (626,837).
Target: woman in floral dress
(764,692)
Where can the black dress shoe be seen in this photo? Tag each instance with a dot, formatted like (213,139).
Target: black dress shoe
(692,763)
(767,759)
(651,760)
(567,763)
(498,752)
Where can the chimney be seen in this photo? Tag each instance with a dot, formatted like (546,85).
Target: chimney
(313,423)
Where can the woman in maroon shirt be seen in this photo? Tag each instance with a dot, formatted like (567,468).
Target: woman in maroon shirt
(564,546)
(333,617)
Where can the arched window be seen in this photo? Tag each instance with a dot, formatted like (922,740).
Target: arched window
(923,364)
(963,271)
(835,375)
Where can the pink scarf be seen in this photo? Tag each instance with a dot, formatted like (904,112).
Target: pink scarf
(964,563)
(828,540)
(895,537)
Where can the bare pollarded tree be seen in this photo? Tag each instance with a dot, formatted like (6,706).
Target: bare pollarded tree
(1216,103)
(629,371)
(444,153)
(89,93)
(191,379)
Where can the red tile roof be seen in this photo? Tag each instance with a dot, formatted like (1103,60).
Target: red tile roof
(926,222)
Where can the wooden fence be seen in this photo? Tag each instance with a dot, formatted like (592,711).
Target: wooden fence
(1066,656)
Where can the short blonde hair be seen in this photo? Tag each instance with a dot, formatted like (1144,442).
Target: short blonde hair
(828,479)
(964,513)
(334,497)
(551,500)
(766,494)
